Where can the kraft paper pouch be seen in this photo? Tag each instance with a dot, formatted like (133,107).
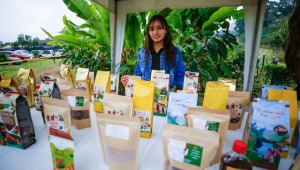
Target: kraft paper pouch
(26,81)
(129,88)
(265,87)
(178,105)
(101,86)
(119,138)
(229,82)
(143,101)
(62,150)
(190,82)
(66,74)
(215,96)
(267,132)
(16,124)
(161,92)
(46,89)
(114,83)
(211,120)
(237,105)
(291,97)
(117,105)
(57,114)
(83,81)
(64,84)
(80,107)
(188,148)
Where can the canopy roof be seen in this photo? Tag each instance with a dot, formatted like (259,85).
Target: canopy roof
(254,16)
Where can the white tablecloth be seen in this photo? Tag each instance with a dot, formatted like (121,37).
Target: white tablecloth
(88,153)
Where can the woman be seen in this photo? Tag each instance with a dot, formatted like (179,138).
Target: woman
(159,53)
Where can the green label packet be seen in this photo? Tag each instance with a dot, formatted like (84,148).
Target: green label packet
(79,101)
(185,152)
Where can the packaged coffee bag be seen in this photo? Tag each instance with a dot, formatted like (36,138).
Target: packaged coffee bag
(211,120)
(267,130)
(117,105)
(101,86)
(227,81)
(237,105)
(161,92)
(57,114)
(83,80)
(26,80)
(265,87)
(178,105)
(67,75)
(114,83)
(188,148)
(215,96)
(62,150)
(143,101)
(119,138)
(190,82)
(80,107)
(16,126)
(129,88)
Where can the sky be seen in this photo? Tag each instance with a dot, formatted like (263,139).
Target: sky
(28,16)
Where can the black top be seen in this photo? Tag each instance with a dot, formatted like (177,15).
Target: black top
(155,59)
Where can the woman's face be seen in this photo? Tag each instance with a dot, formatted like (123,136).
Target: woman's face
(157,32)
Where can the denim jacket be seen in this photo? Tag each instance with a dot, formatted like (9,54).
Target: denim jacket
(176,70)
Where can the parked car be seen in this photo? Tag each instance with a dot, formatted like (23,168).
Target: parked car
(24,52)
(59,52)
(48,53)
(4,57)
(37,53)
(17,61)
(13,54)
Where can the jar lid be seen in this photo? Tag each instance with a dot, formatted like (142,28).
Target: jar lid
(239,146)
(37,86)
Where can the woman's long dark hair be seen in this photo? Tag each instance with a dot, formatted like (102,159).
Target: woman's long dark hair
(168,43)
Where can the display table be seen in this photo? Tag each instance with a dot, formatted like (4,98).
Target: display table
(88,153)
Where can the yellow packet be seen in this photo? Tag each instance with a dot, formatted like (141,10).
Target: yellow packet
(101,86)
(143,105)
(83,80)
(291,97)
(26,81)
(215,96)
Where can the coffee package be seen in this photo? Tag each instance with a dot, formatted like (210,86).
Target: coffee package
(129,88)
(188,148)
(215,96)
(178,105)
(16,126)
(143,101)
(266,87)
(62,150)
(161,91)
(119,138)
(190,82)
(67,75)
(26,80)
(80,107)
(227,81)
(57,114)
(117,105)
(83,80)
(237,105)
(114,83)
(211,120)
(267,131)
(101,86)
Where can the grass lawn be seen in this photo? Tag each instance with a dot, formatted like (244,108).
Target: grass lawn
(35,65)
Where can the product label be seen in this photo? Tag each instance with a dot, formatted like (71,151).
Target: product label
(46,88)
(117,131)
(55,121)
(206,125)
(23,88)
(81,86)
(76,100)
(112,111)
(98,93)
(235,110)
(113,84)
(185,152)
(145,117)
(37,101)
(129,87)
(190,82)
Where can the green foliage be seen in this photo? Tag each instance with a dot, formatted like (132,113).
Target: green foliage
(277,75)
(3,58)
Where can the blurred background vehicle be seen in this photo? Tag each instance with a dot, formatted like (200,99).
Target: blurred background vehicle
(13,54)
(59,52)
(6,56)
(48,53)
(25,53)
(37,53)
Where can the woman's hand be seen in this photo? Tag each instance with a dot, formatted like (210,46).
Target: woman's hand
(124,80)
